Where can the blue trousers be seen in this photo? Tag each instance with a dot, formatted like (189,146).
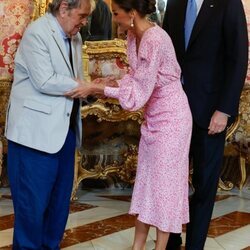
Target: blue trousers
(41,185)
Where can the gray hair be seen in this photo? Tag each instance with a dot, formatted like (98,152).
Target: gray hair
(53,7)
(161,5)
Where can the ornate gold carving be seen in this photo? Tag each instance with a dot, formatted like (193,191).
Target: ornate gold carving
(125,171)
(238,141)
(85,59)
(102,50)
(43,6)
(225,185)
(231,129)
(106,49)
(128,170)
(111,111)
(228,185)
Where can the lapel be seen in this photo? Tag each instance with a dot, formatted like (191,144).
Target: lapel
(177,8)
(74,54)
(205,12)
(59,40)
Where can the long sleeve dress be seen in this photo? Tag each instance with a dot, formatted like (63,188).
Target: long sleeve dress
(160,195)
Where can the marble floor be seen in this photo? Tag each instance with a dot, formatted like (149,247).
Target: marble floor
(98,220)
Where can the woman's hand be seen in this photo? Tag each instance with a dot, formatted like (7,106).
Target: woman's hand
(85,89)
(107,81)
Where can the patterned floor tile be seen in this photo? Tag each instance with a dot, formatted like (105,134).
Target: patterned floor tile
(97,229)
(117,197)
(228,223)
(103,220)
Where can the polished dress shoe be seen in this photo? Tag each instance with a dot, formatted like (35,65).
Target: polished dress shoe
(174,242)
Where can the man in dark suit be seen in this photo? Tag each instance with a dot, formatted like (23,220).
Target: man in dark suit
(214,64)
(99,24)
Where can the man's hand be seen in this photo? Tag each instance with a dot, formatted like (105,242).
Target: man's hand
(81,91)
(218,123)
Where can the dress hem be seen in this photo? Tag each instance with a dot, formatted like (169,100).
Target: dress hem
(165,229)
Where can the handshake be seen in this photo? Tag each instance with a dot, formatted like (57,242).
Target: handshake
(94,88)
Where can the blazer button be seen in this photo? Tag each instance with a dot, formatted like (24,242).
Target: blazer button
(68,114)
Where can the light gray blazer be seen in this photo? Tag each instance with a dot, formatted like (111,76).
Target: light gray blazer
(38,114)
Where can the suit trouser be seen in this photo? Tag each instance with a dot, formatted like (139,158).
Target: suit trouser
(206,152)
(41,185)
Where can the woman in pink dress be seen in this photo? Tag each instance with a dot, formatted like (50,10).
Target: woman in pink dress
(160,195)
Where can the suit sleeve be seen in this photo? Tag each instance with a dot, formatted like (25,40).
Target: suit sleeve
(36,58)
(236,57)
(136,87)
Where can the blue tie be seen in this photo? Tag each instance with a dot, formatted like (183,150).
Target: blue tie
(191,14)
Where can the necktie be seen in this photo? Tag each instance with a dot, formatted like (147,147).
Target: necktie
(191,14)
(70,53)
(75,107)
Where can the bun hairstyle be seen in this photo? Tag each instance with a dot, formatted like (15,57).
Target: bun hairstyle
(143,7)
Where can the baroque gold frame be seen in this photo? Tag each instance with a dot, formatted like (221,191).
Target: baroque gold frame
(227,185)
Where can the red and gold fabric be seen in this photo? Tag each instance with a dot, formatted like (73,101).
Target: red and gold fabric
(14,18)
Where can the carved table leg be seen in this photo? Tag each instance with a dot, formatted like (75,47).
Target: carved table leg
(76,174)
(225,185)
(242,171)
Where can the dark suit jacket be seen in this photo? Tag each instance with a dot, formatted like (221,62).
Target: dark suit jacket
(214,65)
(101,22)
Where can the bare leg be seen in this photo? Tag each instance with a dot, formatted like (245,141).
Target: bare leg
(141,233)
(161,240)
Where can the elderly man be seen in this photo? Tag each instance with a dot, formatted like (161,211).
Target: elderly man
(43,126)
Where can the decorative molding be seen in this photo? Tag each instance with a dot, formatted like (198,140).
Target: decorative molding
(110,110)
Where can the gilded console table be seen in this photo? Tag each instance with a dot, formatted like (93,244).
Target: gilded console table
(110,143)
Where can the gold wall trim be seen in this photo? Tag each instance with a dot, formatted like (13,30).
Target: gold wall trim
(42,7)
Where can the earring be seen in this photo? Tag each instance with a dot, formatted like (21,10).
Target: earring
(132,22)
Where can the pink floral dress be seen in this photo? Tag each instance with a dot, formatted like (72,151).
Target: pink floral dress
(160,195)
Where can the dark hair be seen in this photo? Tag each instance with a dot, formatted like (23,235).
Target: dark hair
(143,7)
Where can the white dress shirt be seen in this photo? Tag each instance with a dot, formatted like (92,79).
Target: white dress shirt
(199,3)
